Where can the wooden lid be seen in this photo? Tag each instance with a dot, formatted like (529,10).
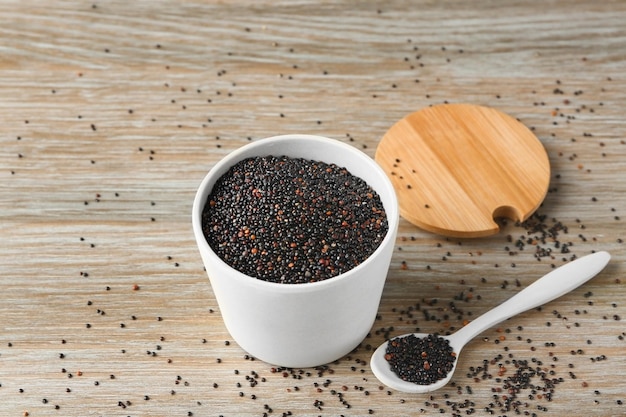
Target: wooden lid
(456,167)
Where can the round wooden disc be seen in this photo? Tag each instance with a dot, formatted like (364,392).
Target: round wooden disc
(456,167)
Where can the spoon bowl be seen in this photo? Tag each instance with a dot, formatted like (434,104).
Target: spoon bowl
(551,286)
(383,372)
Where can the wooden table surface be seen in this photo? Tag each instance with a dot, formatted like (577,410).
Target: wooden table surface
(112,112)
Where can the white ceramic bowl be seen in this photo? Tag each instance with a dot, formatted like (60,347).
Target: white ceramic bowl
(310,324)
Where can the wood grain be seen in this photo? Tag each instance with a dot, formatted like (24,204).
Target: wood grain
(112,112)
(458,167)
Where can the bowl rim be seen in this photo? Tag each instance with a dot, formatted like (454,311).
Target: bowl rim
(235,156)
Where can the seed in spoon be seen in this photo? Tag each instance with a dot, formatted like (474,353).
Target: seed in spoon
(422,360)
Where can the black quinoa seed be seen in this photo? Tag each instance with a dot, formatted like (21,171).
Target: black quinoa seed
(292,220)
(422,361)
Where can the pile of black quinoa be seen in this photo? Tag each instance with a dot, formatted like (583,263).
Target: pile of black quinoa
(292,220)
(421,360)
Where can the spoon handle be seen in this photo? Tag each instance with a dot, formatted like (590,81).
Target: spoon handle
(552,285)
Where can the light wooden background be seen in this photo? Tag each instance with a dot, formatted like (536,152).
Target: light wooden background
(111,112)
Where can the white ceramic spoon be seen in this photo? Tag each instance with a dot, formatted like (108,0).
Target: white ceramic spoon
(552,285)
